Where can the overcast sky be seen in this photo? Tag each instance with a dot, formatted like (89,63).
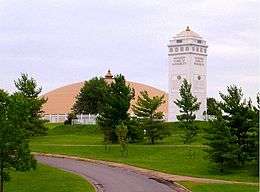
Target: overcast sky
(59,42)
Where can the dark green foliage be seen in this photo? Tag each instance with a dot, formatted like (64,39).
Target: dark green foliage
(212,106)
(188,104)
(222,145)
(155,130)
(121,132)
(135,132)
(235,130)
(151,120)
(115,108)
(15,117)
(253,135)
(28,88)
(91,97)
(240,118)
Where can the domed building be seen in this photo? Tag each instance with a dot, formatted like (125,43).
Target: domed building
(187,59)
(61,100)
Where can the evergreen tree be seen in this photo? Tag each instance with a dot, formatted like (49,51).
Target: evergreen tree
(91,97)
(135,132)
(222,144)
(212,106)
(146,109)
(115,108)
(188,104)
(14,148)
(29,89)
(239,117)
(253,135)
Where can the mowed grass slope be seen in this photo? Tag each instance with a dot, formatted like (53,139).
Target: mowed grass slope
(49,179)
(202,187)
(70,135)
(169,155)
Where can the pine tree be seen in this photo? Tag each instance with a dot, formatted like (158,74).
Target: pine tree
(14,148)
(239,117)
(188,104)
(212,106)
(253,135)
(29,89)
(146,109)
(222,145)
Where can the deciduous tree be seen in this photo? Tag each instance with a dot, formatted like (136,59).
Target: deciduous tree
(121,132)
(91,97)
(115,107)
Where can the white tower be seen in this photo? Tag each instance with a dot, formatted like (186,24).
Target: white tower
(187,57)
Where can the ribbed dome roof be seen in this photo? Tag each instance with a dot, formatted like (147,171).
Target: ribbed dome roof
(188,33)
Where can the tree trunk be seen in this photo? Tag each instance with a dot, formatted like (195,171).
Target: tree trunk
(152,140)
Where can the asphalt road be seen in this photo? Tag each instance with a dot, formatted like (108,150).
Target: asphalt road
(106,178)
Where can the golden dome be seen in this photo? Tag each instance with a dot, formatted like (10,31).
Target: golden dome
(61,100)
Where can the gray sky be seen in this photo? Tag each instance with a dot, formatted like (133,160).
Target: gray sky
(59,42)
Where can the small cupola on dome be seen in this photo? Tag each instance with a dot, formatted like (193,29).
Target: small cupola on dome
(109,75)
(188,28)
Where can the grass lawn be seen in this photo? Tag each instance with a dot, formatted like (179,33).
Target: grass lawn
(202,187)
(169,155)
(75,135)
(46,178)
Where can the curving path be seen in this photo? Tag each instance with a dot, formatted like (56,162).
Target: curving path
(106,178)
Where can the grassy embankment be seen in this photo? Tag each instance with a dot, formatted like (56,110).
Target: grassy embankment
(200,187)
(46,178)
(169,155)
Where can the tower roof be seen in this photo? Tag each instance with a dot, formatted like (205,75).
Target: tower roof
(188,33)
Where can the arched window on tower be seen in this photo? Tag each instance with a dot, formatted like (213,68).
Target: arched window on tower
(186,48)
(182,49)
(176,49)
(171,49)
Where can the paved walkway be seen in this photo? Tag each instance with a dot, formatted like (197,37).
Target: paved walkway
(169,179)
(107,178)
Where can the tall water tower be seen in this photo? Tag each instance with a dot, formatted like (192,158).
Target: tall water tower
(187,57)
